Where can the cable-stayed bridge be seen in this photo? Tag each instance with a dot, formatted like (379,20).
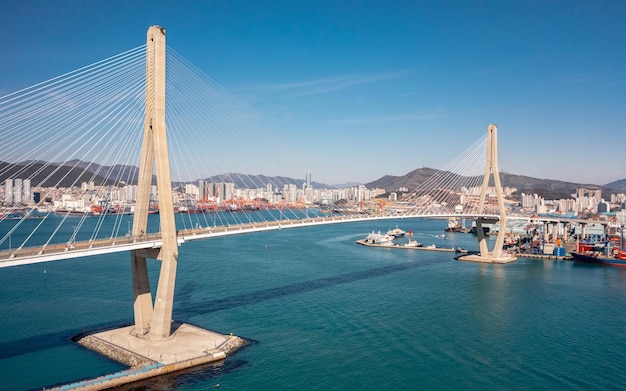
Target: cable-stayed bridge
(54,252)
(93,145)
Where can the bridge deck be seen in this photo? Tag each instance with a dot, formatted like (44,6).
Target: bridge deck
(55,252)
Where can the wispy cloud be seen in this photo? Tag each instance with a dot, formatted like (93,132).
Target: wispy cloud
(415,116)
(326,85)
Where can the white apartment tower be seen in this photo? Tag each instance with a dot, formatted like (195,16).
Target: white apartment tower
(8,191)
(18,195)
(28,194)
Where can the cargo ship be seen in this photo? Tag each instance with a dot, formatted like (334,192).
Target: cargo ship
(600,254)
(72,212)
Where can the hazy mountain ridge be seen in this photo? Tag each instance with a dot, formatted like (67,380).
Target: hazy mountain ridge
(548,188)
(74,172)
(411,180)
(617,185)
(49,174)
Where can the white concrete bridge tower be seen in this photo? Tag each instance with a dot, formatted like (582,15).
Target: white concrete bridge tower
(155,320)
(496,255)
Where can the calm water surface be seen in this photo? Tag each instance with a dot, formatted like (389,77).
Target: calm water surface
(323,313)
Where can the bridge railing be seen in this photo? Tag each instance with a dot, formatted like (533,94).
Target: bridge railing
(76,246)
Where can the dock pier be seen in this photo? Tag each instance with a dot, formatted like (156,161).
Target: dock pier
(428,248)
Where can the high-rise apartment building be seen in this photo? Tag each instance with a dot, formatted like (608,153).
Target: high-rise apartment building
(8,191)
(18,195)
(201,190)
(28,195)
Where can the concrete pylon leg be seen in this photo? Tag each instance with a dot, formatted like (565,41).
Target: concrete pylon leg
(141,292)
(482,240)
(164,301)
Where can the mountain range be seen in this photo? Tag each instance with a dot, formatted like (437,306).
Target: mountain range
(73,173)
(547,188)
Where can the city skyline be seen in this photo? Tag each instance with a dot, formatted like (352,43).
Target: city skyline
(382,89)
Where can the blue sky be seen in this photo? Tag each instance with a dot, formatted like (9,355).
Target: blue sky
(368,88)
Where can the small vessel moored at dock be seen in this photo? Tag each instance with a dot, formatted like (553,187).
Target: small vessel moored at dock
(412,243)
(396,232)
(378,238)
(370,241)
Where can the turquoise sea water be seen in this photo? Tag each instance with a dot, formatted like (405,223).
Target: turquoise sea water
(323,312)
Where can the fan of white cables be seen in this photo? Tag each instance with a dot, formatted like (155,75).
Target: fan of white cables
(453,190)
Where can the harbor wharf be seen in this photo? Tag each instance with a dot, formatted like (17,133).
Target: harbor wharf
(428,248)
(188,346)
(545,256)
(463,251)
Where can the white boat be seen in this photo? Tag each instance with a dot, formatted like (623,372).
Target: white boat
(454,226)
(396,232)
(378,238)
(412,243)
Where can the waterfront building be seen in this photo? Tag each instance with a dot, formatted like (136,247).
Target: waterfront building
(18,195)
(565,206)
(68,202)
(221,191)
(309,195)
(530,201)
(229,190)
(589,193)
(201,190)
(291,193)
(131,193)
(587,204)
(192,190)
(603,207)
(8,191)
(380,191)
(210,190)
(27,194)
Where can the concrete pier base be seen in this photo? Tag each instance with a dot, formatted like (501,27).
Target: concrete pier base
(489,259)
(188,346)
